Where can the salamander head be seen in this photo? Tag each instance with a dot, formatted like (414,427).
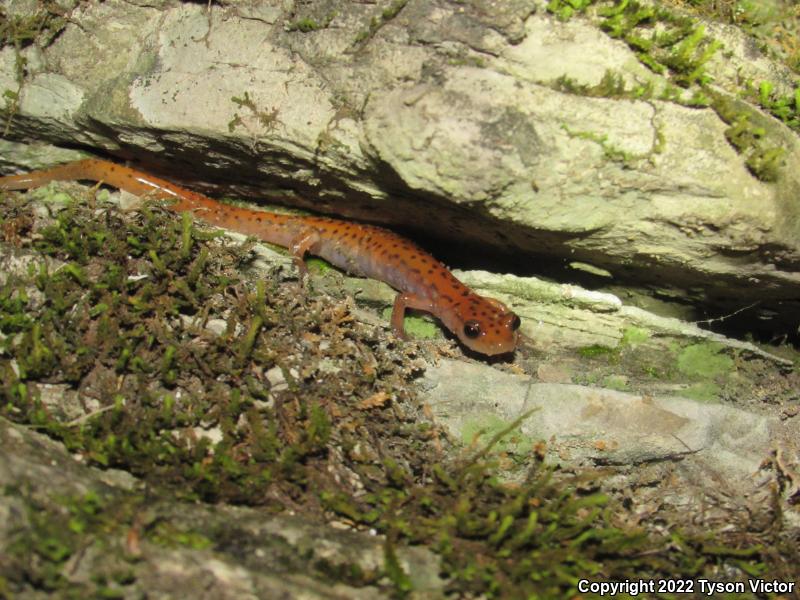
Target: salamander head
(486,325)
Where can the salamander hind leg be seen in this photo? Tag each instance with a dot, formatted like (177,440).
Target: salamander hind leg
(403,301)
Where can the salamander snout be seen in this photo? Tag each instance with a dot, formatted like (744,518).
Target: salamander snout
(488,326)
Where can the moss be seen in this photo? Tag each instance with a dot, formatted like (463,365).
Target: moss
(111,308)
(393,10)
(596,351)
(197,416)
(417,326)
(773,25)
(483,428)
(786,108)
(319,265)
(303,25)
(704,360)
(394,571)
(308,24)
(376,22)
(633,336)
(166,534)
(610,151)
(677,47)
(40,27)
(688,58)
(566,9)
(766,163)
(40,550)
(706,391)
(616,382)
(748,134)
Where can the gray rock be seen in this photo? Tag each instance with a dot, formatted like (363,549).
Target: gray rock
(580,425)
(451,109)
(271,555)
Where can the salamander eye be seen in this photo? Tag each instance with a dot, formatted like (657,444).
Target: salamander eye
(472,329)
(515,323)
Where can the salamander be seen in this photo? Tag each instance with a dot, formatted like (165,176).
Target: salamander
(482,324)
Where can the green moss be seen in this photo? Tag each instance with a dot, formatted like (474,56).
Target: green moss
(706,391)
(633,336)
(612,85)
(766,163)
(616,382)
(704,360)
(166,534)
(309,24)
(596,351)
(319,265)
(668,44)
(85,299)
(677,47)
(764,160)
(611,151)
(687,59)
(394,571)
(303,25)
(393,9)
(483,428)
(125,324)
(786,108)
(621,18)
(566,9)
(376,22)
(41,26)
(42,545)
(417,326)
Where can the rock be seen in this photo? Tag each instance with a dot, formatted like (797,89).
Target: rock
(496,129)
(513,130)
(579,425)
(169,548)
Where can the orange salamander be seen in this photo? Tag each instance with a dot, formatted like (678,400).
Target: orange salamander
(484,325)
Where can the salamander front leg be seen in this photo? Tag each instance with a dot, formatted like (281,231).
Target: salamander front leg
(306,241)
(403,301)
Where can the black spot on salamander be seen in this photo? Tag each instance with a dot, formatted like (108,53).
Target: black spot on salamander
(430,271)
(258,219)
(465,293)
(415,270)
(396,256)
